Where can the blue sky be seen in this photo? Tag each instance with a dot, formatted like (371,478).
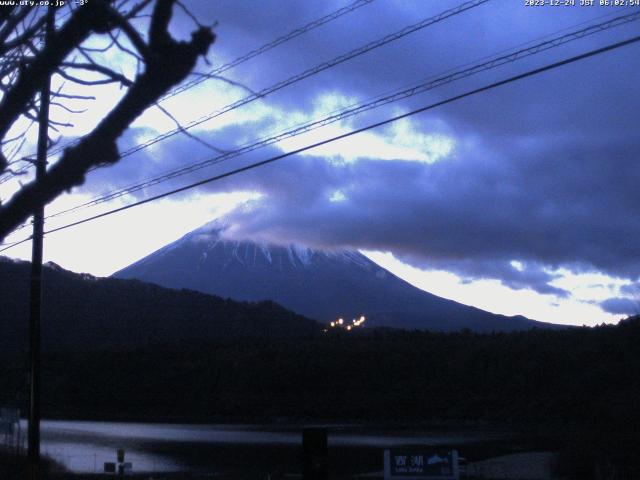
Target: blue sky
(521,200)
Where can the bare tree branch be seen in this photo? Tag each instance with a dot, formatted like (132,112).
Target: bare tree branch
(136,9)
(124,49)
(73,33)
(159,28)
(134,37)
(24,37)
(73,97)
(94,67)
(99,146)
(12,20)
(227,80)
(187,133)
(66,108)
(96,49)
(189,14)
(104,81)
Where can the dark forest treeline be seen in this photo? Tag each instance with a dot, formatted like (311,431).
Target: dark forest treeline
(580,386)
(581,375)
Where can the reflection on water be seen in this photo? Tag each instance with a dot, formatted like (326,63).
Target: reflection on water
(90,458)
(86,446)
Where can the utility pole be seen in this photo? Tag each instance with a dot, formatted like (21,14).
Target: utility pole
(33,442)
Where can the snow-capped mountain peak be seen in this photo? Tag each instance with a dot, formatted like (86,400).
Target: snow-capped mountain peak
(321,284)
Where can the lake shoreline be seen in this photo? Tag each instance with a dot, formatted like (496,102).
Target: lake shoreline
(167,449)
(329,422)
(353,448)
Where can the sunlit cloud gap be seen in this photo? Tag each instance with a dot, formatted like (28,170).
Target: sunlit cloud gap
(493,296)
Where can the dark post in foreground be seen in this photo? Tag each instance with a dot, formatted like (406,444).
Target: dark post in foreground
(33,442)
(314,456)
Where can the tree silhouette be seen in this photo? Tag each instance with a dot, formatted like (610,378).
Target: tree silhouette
(163,62)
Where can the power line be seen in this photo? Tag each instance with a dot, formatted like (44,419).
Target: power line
(268,46)
(7,246)
(358,109)
(234,63)
(509,80)
(449,100)
(227,66)
(312,71)
(299,77)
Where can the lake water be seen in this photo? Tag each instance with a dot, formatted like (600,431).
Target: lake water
(86,446)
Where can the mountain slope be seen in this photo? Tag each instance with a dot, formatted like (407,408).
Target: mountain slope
(318,284)
(84,312)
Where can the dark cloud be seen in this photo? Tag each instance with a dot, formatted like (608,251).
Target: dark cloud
(513,275)
(553,206)
(467,37)
(464,38)
(621,306)
(543,172)
(558,203)
(632,289)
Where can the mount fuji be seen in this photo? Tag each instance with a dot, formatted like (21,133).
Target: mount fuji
(318,284)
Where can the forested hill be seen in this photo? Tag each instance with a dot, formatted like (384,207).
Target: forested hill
(578,375)
(82,312)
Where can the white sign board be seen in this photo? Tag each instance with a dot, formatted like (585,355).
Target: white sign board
(416,463)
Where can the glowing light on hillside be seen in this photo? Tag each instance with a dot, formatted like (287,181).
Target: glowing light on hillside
(340,324)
